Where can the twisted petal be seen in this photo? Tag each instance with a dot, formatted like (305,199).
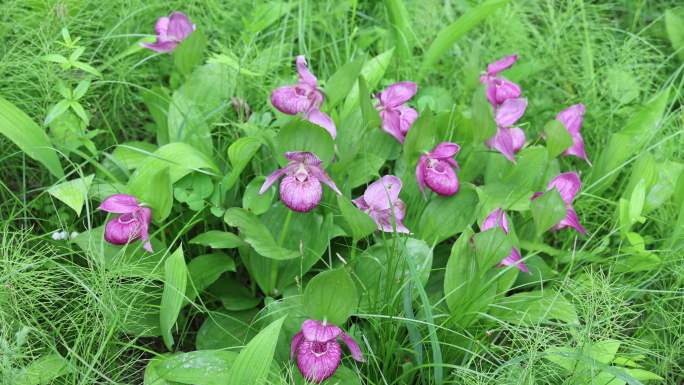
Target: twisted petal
(496,218)
(306,157)
(119,204)
(568,185)
(162,26)
(502,64)
(513,259)
(317,361)
(397,94)
(292,100)
(510,111)
(420,174)
(577,149)
(296,340)
(499,90)
(572,118)
(301,196)
(407,116)
(305,76)
(320,174)
(179,26)
(391,124)
(389,218)
(445,150)
(145,214)
(272,179)
(441,178)
(381,194)
(361,203)
(161,46)
(317,117)
(571,220)
(353,347)
(317,331)
(507,141)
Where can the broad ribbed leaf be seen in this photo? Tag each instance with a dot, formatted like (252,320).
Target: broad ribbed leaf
(257,234)
(254,361)
(175,280)
(217,239)
(73,193)
(332,296)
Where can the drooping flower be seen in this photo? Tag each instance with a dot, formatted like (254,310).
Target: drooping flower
(381,201)
(318,351)
(171,31)
(498,218)
(397,117)
(508,140)
(568,185)
(303,98)
(436,169)
(132,222)
(572,119)
(498,88)
(301,188)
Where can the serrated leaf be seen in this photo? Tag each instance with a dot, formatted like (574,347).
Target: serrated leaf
(175,280)
(73,193)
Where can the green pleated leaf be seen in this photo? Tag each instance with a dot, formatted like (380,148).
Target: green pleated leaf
(434,226)
(301,135)
(201,367)
(674,25)
(332,296)
(73,193)
(205,270)
(43,370)
(217,239)
(547,210)
(190,52)
(491,247)
(558,138)
(240,153)
(532,308)
(257,234)
(29,137)
(254,202)
(342,81)
(254,361)
(175,280)
(360,223)
(372,71)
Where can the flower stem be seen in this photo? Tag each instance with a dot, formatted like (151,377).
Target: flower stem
(281,239)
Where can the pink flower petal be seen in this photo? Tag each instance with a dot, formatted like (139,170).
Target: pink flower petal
(320,174)
(272,179)
(308,158)
(391,124)
(507,141)
(296,340)
(361,203)
(445,150)
(120,204)
(499,90)
(381,194)
(316,331)
(502,64)
(571,220)
(317,117)
(496,218)
(300,196)
(407,116)
(161,47)
(397,94)
(162,26)
(353,347)
(441,178)
(179,26)
(292,100)
(122,229)
(568,185)
(305,76)
(317,361)
(572,118)
(510,111)
(513,259)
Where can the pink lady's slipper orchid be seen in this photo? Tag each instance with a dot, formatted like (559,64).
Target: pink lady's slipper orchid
(397,117)
(568,185)
(508,140)
(500,89)
(572,118)
(170,32)
(381,201)
(318,352)
(436,169)
(304,97)
(497,218)
(301,188)
(131,224)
